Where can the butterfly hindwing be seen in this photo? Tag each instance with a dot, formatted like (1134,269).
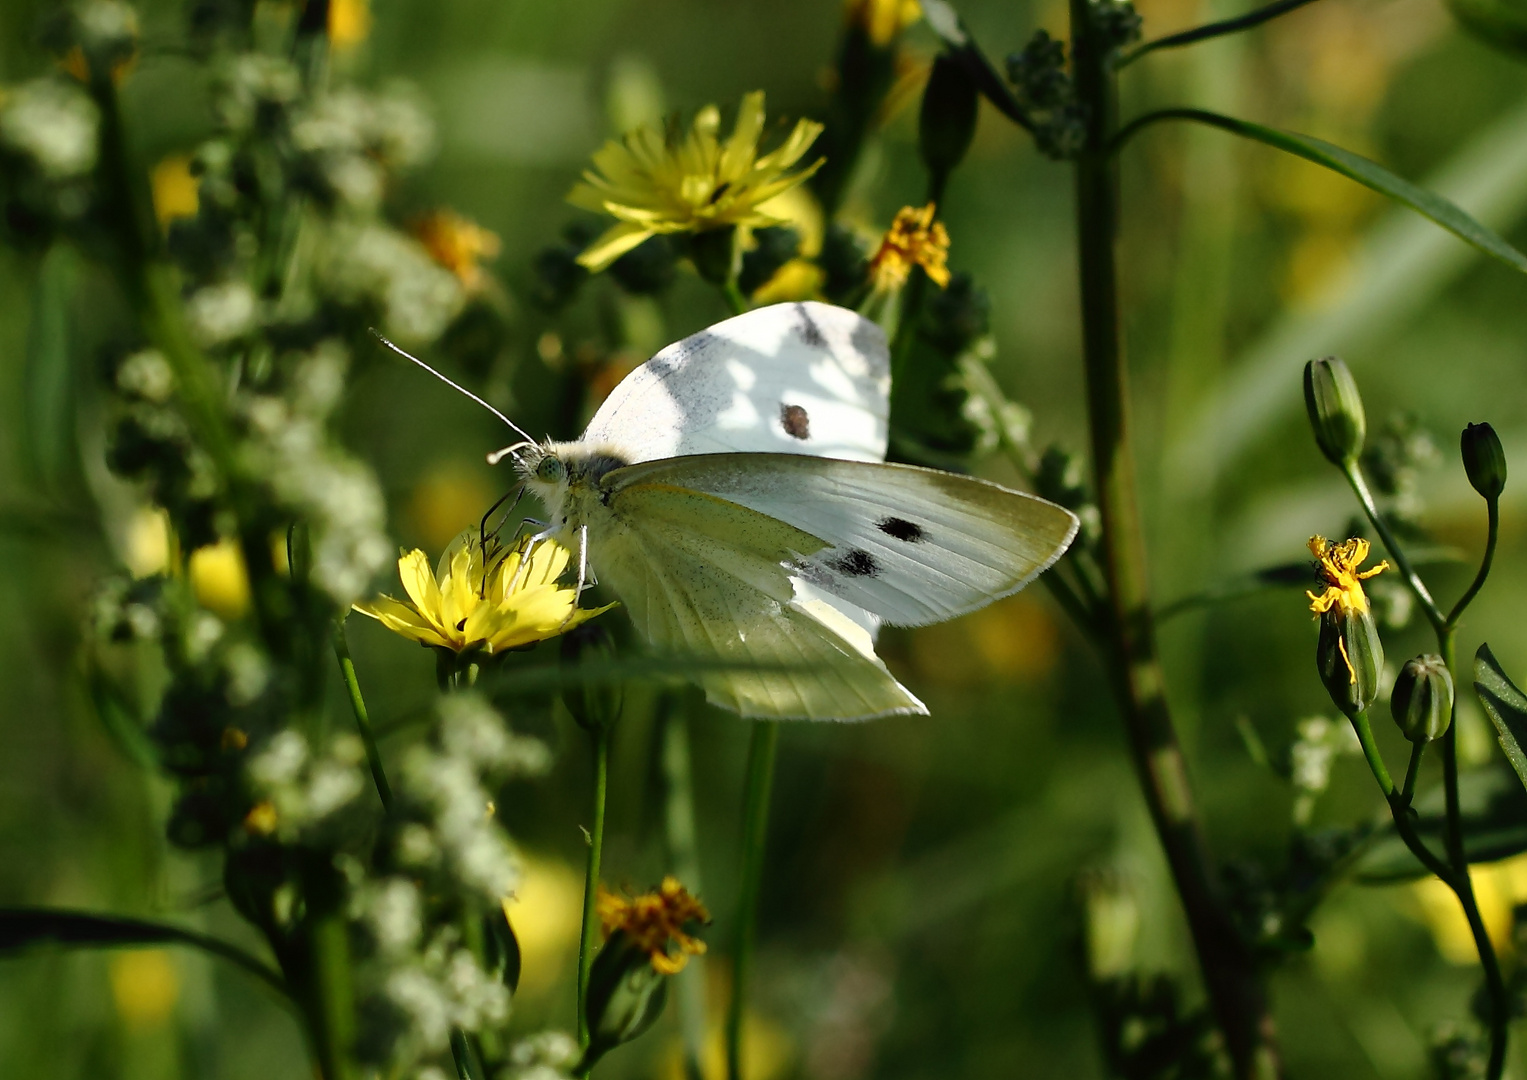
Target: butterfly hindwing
(802,378)
(913,546)
(703,577)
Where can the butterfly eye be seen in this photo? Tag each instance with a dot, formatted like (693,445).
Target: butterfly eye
(550,470)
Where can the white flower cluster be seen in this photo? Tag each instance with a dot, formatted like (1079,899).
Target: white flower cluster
(548,1055)
(306,789)
(336,495)
(351,139)
(444,987)
(52,122)
(377,266)
(1310,759)
(254,84)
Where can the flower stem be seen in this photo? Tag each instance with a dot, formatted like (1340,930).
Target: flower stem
(1417,752)
(1457,875)
(1231,976)
(362,720)
(591,881)
(734,298)
(755,831)
(683,854)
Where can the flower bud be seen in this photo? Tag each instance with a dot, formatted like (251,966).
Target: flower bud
(947,122)
(1349,657)
(1484,460)
(625,995)
(594,705)
(1422,702)
(1335,408)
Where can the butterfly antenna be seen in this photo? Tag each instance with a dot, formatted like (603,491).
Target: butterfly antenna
(454,386)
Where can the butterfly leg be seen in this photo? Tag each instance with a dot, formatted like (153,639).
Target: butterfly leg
(583,570)
(527,546)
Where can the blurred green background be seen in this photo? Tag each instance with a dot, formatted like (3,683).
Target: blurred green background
(922,913)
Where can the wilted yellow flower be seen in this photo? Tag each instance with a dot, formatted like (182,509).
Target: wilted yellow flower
(883,20)
(914,239)
(654,921)
(457,243)
(482,600)
(1339,573)
(670,182)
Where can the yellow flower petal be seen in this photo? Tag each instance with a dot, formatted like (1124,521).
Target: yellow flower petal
(401,619)
(618,240)
(419,582)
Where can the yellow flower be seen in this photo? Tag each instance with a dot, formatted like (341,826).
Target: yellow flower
(349,23)
(481,599)
(219,579)
(883,20)
(654,921)
(176,190)
(914,239)
(457,243)
(668,182)
(1338,572)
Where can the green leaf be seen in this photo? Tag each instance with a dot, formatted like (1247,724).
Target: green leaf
(1353,166)
(48,419)
(1506,706)
(23,928)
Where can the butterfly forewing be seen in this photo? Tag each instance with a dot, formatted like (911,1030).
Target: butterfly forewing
(914,546)
(802,378)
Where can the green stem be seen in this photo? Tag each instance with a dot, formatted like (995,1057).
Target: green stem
(1457,877)
(1354,474)
(683,853)
(334,995)
(586,939)
(755,831)
(1231,976)
(1214,30)
(1371,752)
(1417,752)
(734,298)
(362,720)
(1491,535)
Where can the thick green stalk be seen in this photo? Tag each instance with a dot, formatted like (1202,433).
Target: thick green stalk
(362,719)
(684,857)
(1231,977)
(588,936)
(755,832)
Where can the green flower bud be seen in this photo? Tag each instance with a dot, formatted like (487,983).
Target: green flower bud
(1422,702)
(594,705)
(1484,460)
(1335,408)
(625,995)
(715,254)
(1349,657)
(947,122)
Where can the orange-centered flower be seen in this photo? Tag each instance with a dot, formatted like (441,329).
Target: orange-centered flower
(655,921)
(914,239)
(1338,572)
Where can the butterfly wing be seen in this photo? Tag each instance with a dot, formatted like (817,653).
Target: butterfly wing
(707,578)
(911,545)
(803,378)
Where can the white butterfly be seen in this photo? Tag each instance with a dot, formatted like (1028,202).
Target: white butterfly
(733,492)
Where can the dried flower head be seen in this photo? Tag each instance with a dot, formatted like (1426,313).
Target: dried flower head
(457,243)
(483,598)
(1338,571)
(914,239)
(672,182)
(655,921)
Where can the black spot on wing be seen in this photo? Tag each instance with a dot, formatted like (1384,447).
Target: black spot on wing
(810,332)
(855,563)
(794,420)
(901,529)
